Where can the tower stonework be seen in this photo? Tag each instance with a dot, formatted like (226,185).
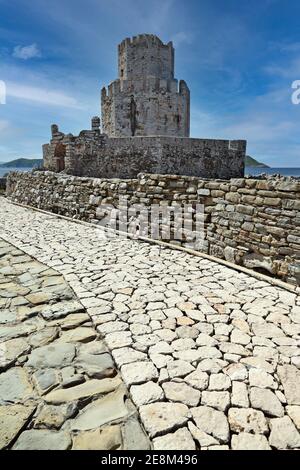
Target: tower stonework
(146,99)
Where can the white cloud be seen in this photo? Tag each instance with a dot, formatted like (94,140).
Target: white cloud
(2,92)
(3,125)
(289,70)
(160,16)
(261,128)
(284,46)
(269,123)
(41,95)
(291,47)
(27,52)
(180,38)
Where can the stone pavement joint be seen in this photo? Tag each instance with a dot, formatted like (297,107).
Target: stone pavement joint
(54,366)
(210,355)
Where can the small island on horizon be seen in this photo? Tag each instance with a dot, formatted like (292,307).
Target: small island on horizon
(23,163)
(251,162)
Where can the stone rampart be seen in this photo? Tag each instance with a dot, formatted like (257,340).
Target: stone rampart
(251,222)
(95,155)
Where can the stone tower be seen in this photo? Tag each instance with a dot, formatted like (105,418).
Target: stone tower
(146,99)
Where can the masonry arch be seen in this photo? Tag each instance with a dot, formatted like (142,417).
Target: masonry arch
(60,156)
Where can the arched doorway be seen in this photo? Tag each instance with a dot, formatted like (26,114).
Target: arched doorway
(59,156)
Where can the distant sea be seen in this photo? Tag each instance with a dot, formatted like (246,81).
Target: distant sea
(254,171)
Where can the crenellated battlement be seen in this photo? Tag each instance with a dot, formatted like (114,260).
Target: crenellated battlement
(146,99)
(142,39)
(148,85)
(145,55)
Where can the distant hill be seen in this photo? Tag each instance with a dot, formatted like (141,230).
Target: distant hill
(23,163)
(249,161)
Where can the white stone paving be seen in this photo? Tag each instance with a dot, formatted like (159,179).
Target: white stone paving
(218,348)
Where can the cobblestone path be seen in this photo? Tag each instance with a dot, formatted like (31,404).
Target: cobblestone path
(53,364)
(210,355)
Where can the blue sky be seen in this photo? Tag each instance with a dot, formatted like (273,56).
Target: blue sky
(238,57)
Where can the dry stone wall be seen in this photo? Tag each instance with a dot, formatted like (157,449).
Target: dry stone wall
(251,222)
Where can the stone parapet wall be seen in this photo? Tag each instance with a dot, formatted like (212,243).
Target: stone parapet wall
(95,155)
(127,157)
(251,222)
